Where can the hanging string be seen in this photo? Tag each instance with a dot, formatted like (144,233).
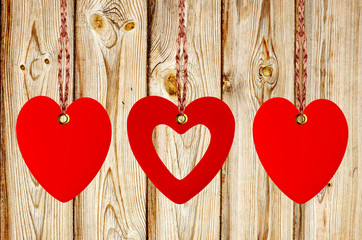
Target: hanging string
(301,59)
(181,39)
(63,40)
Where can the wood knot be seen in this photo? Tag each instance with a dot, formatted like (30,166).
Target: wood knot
(104,28)
(266,71)
(129,26)
(97,22)
(36,68)
(22,67)
(170,84)
(226,84)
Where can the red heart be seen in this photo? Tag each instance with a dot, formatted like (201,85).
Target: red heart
(63,158)
(300,159)
(149,112)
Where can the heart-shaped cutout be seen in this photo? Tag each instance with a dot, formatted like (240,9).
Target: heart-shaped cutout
(300,158)
(181,153)
(150,112)
(63,158)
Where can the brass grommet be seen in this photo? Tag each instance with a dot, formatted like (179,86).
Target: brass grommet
(181,119)
(61,119)
(301,119)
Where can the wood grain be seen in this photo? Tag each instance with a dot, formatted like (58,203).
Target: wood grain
(256,35)
(123,50)
(334,74)
(30,34)
(111,68)
(198,218)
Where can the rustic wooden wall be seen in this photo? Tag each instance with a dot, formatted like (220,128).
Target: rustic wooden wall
(122,50)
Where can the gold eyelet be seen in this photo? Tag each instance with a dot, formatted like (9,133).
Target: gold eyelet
(301,119)
(181,119)
(63,118)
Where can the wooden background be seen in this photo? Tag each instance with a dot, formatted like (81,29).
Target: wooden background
(123,50)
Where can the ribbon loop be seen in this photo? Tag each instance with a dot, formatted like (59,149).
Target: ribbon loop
(181,40)
(63,41)
(301,59)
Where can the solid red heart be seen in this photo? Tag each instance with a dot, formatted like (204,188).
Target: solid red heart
(300,159)
(63,158)
(150,112)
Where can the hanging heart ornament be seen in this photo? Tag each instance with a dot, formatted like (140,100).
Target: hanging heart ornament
(65,156)
(150,112)
(300,158)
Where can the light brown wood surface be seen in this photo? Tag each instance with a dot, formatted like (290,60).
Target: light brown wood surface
(200,217)
(29,36)
(111,67)
(256,35)
(239,51)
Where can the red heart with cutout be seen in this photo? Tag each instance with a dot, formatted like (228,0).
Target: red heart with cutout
(150,112)
(63,158)
(300,159)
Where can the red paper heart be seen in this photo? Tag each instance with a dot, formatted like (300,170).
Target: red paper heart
(63,158)
(150,112)
(300,159)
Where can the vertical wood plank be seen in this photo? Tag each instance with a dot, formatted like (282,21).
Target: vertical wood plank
(258,50)
(200,217)
(30,32)
(334,48)
(4,211)
(111,66)
(358,154)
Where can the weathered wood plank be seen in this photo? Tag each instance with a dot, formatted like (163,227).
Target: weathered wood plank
(258,54)
(111,66)
(4,211)
(334,38)
(200,217)
(30,31)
